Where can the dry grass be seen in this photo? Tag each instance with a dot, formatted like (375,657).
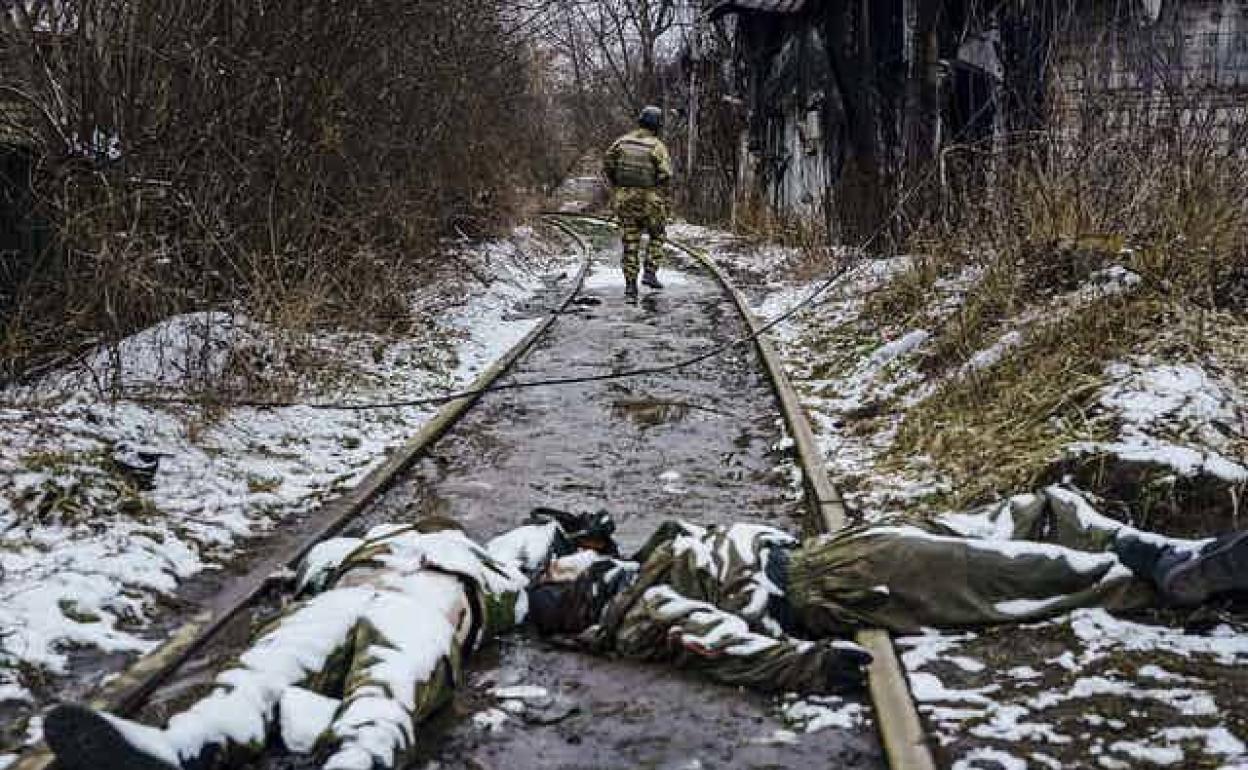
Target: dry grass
(1179,221)
(1001,429)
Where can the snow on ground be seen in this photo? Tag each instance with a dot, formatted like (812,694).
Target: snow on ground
(866,372)
(1175,415)
(1099,691)
(606,278)
(1084,690)
(1191,417)
(812,713)
(105,508)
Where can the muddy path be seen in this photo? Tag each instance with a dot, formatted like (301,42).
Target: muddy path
(701,444)
(704,444)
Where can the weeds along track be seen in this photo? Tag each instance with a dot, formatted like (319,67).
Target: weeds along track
(494,445)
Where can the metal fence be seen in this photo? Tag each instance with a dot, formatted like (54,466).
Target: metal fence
(1178,76)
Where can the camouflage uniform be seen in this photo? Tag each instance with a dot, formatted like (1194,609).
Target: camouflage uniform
(1026,559)
(377,646)
(639,169)
(740,602)
(704,599)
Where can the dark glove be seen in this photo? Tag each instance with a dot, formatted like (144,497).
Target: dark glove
(843,666)
(581,530)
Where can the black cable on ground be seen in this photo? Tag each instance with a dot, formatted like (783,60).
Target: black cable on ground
(477,392)
(798,307)
(521,385)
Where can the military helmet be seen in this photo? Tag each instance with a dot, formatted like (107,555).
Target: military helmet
(651,117)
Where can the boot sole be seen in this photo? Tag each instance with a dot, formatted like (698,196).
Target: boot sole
(1204,575)
(84,740)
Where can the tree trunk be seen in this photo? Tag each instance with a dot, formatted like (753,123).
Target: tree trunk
(1026,37)
(861,194)
(922,114)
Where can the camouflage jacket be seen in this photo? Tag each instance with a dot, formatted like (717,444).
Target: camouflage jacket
(704,600)
(387,554)
(638,159)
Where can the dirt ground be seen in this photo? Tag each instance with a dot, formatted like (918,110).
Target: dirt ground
(704,444)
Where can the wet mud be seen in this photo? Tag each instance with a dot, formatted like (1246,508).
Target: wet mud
(608,714)
(700,443)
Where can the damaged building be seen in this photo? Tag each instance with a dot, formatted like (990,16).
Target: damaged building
(846,104)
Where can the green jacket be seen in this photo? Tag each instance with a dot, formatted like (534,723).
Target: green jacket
(704,601)
(638,159)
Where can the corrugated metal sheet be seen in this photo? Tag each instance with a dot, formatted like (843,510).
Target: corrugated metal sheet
(764,6)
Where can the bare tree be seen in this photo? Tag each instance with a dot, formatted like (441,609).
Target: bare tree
(615,53)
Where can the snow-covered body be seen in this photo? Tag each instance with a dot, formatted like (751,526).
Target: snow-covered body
(377,643)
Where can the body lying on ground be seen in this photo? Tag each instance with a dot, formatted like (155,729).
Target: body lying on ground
(388,621)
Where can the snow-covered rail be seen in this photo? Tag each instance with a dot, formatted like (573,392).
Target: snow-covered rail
(126,693)
(897,716)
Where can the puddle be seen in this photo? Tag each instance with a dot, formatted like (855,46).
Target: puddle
(648,413)
(695,444)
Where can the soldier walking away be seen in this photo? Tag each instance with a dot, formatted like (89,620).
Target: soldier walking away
(639,169)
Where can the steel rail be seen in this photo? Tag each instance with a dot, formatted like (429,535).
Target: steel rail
(901,730)
(126,693)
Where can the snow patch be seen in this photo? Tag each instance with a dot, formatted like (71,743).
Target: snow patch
(87,547)
(999,758)
(522,692)
(1171,415)
(811,714)
(990,356)
(491,720)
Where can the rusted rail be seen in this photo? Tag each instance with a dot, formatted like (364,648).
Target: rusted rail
(126,693)
(901,731)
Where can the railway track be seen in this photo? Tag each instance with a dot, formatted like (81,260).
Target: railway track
(222,615)
(900,727)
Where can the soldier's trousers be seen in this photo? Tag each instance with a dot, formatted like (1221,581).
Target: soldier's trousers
(1030,558)
(641,211)
(349,674)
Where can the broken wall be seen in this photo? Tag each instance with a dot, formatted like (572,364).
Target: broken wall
(791,138)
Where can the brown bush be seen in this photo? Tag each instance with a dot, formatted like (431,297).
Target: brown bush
(297,160)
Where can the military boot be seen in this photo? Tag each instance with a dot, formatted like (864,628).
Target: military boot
(1217,568)
(630,288)
(85,739)
(1185,577)
(651,278)
(1140,554)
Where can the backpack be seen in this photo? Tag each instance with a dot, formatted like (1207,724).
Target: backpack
(634,163)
